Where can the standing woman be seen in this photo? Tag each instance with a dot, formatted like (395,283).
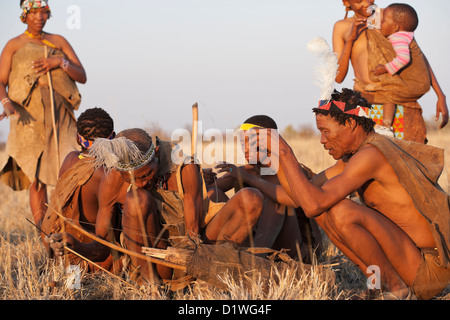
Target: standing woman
(38,71)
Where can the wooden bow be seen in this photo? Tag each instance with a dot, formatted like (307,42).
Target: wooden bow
(116,247)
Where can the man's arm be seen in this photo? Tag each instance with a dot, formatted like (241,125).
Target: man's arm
(362,167)
(109,193)
(193,198)
(274,191)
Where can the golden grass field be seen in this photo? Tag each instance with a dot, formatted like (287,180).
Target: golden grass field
(25,271)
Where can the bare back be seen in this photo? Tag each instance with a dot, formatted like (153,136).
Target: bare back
(373,177)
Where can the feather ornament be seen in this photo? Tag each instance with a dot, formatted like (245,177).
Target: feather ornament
(112,153)
(327,70)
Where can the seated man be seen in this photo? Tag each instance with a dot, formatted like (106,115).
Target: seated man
(281,225)
(76,191)
(159,195)
(403,226)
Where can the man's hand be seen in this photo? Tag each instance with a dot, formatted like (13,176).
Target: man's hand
(379,70)
(58,241)
(230,169)
(209,176)
(267,142)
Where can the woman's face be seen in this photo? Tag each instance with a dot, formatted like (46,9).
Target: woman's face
(37,18)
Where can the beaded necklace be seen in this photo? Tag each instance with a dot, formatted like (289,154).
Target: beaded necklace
(39,36)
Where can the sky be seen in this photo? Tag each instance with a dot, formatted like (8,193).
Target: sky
(148,62)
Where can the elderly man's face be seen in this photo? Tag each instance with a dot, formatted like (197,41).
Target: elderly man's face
(336,138)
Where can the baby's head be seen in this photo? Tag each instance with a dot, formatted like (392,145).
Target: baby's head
(399,17)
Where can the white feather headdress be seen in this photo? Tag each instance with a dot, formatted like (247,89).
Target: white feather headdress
(119,153)
(327,70)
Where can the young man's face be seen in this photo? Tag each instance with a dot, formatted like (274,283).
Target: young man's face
(359,6)
(336,138)
(253,154)
(388,25)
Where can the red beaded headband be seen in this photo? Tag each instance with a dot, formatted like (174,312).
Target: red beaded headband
(343,107)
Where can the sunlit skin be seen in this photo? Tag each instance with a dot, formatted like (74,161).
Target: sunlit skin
(231,223)
(276,228)
(36,21)
(387,232)
(350,45)
(143,177)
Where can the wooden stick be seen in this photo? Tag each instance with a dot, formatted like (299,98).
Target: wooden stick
(194,130)
(52,103)
(98,266)
(118,248)
(82,257)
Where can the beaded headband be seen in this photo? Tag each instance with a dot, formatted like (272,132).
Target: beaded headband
(88,143)
(29,5)
(342,107)
(135,165)
(120,153)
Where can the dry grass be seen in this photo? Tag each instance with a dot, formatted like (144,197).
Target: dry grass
(25,271)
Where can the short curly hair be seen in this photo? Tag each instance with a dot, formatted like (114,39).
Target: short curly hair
(95,123)
(139,136)
(352,98)
(405,16)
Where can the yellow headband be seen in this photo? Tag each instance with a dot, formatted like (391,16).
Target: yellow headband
(248,126)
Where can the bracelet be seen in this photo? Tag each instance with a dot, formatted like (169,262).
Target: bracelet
(64,64)
(5,100)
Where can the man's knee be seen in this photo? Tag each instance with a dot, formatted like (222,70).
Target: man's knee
(340,216)
(251,201)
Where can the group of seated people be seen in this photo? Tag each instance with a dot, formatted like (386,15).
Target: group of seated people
(127,189)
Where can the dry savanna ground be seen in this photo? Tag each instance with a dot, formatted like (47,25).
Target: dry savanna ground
(25,271)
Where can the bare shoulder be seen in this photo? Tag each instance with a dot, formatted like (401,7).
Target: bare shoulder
(71,158)
(343,26)
(58,40)
(368,161)
(14,44)
(367,152)
(111,183)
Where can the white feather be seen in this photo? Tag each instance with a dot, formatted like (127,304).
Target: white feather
(327,70)
(109,153)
